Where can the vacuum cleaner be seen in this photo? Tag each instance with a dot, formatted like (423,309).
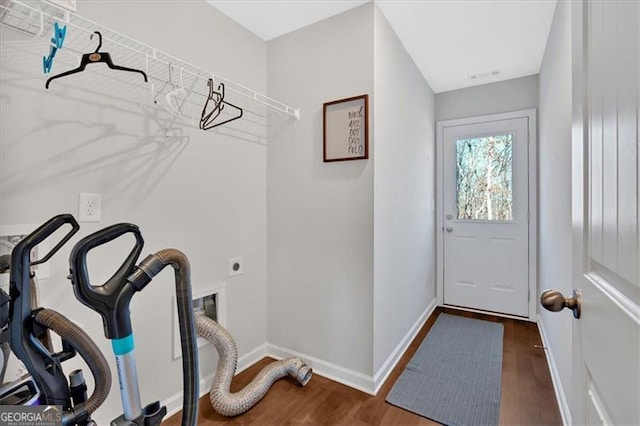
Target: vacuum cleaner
(111,300)
(26,327)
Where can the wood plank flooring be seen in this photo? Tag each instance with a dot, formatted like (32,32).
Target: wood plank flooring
(527,391)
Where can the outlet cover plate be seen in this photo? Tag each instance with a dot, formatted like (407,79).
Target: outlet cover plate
(89,207)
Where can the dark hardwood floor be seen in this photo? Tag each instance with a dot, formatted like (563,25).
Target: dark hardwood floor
(527,391)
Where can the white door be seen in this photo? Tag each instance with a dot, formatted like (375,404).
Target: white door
(606,214)
(485,217)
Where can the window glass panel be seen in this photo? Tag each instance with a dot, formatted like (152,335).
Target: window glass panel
(484,181)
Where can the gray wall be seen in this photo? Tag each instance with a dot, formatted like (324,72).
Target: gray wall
(555,239)
(320,227)
(203,193)
(404,221)
(505,96)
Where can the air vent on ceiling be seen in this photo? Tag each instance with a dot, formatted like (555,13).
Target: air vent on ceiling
(484,75)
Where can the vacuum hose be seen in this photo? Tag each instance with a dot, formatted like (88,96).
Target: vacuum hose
(88,350)
(232,404)
(112,300)
(151,266)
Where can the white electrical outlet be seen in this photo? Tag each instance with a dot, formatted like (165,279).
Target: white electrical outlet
(89,207)
(235,266)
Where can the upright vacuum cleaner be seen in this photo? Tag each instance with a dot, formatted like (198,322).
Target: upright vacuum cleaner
(111,300)
(26,327)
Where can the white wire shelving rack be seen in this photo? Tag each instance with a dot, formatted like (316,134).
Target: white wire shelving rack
(35,19)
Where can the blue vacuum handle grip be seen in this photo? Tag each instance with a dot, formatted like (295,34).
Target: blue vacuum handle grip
(111,299)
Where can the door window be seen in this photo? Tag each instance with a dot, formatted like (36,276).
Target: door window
(484,179)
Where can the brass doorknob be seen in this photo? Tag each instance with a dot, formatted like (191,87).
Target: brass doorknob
(554,301)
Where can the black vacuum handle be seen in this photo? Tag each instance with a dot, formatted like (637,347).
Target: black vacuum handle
(43,232)
(50,378)
(111,299)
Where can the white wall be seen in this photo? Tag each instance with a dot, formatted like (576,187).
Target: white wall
(203,193)
(505,96)
(404,220)
(555,239)
(320,215)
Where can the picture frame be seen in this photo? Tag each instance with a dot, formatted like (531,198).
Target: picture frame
(345,129)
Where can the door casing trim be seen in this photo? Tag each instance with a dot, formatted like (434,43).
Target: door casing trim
(530,114)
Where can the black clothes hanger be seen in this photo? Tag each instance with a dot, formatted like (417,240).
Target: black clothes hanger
(207,120)
(95,57)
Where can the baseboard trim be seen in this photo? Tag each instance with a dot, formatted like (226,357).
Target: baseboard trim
(383,372)
(348,377)
(247,360)
(360,381)
(320,367)
(174,402)
(565,412)
(326,369)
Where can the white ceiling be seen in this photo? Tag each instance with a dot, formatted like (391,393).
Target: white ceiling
(449,40)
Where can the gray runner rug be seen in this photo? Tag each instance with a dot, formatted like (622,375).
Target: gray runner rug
(455,376)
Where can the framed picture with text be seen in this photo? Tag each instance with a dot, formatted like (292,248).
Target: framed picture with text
(345,129)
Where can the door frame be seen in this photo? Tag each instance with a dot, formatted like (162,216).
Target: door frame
(530,114)
(575,410)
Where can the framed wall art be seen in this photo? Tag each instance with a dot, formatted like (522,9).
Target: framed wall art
(345,129)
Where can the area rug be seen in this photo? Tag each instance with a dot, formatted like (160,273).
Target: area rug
(455,376)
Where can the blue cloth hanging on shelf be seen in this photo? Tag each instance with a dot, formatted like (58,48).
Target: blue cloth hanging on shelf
(56,43)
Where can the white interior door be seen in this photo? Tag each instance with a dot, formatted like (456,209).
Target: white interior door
(485,200)
(606,214)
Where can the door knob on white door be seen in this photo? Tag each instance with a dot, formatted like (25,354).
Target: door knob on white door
(449,229)
(554,301)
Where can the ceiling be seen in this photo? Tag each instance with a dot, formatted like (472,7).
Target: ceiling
(454,43)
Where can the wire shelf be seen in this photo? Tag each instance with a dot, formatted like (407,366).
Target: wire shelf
(177,86)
